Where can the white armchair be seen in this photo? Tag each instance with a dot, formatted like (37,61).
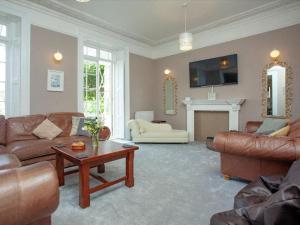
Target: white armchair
(146,132)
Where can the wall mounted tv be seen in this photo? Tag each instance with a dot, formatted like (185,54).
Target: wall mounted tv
(217,71)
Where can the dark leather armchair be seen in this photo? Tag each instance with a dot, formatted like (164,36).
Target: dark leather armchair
(29,194)
(247,155)
(273,200)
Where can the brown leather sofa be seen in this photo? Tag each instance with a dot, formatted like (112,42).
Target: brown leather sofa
(247,155)
(29,194)
(273,200)
(16,136)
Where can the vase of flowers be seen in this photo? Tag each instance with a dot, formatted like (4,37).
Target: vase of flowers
(93,126)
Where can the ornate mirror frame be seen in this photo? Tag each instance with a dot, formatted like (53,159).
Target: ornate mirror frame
(288,90)
(174,89)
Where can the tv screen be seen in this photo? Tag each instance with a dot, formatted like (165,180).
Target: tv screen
(217,71)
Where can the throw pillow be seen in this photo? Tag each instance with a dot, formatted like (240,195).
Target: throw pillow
(80,130)
(75,124)
(270,125)
(281,132)
(47,130)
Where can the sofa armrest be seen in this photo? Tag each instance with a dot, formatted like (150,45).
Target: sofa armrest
(28,193)
(252,126)
(134,128)
(256,146)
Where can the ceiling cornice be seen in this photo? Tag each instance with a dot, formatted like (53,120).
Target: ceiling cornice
(273,19)
(60,7)
(249,13)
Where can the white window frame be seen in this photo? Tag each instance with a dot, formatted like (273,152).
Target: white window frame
(96,60)
(20,105)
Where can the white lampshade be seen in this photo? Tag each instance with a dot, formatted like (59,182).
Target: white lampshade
(185,41)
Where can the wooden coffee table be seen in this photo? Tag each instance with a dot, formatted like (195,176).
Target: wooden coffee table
(107,151)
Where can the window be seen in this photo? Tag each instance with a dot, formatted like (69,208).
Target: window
(3,30)
(97,83)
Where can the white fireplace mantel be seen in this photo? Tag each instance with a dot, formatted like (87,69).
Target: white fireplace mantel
(225,105)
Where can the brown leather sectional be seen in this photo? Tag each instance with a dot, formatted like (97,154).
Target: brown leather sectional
(16,136)
(24,200)
(247,155)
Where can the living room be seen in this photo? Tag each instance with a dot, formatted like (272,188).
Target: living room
(150,112)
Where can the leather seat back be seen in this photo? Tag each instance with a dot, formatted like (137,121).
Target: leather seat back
(295,129)
(64,121)
(21,128)
(2,130)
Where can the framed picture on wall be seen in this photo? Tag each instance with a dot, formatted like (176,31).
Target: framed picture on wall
(55,80)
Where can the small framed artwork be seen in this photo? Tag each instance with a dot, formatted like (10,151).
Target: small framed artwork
(55,80)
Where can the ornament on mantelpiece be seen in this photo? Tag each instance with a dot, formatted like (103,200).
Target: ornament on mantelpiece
(211,95)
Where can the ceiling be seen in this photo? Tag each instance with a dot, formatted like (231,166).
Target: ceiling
(158,21)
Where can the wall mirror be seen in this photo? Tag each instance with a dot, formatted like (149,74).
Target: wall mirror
(277,90)
(170,95)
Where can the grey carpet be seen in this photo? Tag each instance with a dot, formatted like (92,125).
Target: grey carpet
(175,184)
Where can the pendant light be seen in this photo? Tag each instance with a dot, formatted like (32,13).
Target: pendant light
(185,38)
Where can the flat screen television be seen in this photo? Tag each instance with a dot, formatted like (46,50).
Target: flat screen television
(217,71)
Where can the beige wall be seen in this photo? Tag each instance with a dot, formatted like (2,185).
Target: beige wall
(253,55)
(142,84)
(44,44)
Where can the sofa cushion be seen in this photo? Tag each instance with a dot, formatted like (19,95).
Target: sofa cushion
(21,128)
(47,130)
(64,121)
(270,125)
(281,132)
(31,148)
(165,134)
(2,130)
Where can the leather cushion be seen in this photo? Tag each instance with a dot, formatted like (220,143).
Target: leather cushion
(31,148)
(64,121)
(21,128)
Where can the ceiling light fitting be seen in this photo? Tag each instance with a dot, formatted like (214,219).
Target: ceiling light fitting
(185,38)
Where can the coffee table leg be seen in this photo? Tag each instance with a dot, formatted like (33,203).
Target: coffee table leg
(60,169)
(84,195)
(101,168)
(129,182)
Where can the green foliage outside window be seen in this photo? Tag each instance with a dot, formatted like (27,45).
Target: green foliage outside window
(90,87)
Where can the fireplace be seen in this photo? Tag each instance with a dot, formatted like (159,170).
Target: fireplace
(221,105)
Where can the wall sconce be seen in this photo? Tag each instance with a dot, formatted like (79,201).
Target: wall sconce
(58,56)
(275,54)
(167,71)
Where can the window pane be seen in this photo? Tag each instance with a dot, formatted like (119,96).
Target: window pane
(105,55)
(2,108)
(3,29)
(2,52)
(2,71)
(89,75)
(2,92)
(89,51)
(90,103)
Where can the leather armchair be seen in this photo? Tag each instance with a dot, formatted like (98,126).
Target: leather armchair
(247,155)
(29,194)
(269,200)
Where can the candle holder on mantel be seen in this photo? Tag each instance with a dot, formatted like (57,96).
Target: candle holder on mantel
(211,95)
